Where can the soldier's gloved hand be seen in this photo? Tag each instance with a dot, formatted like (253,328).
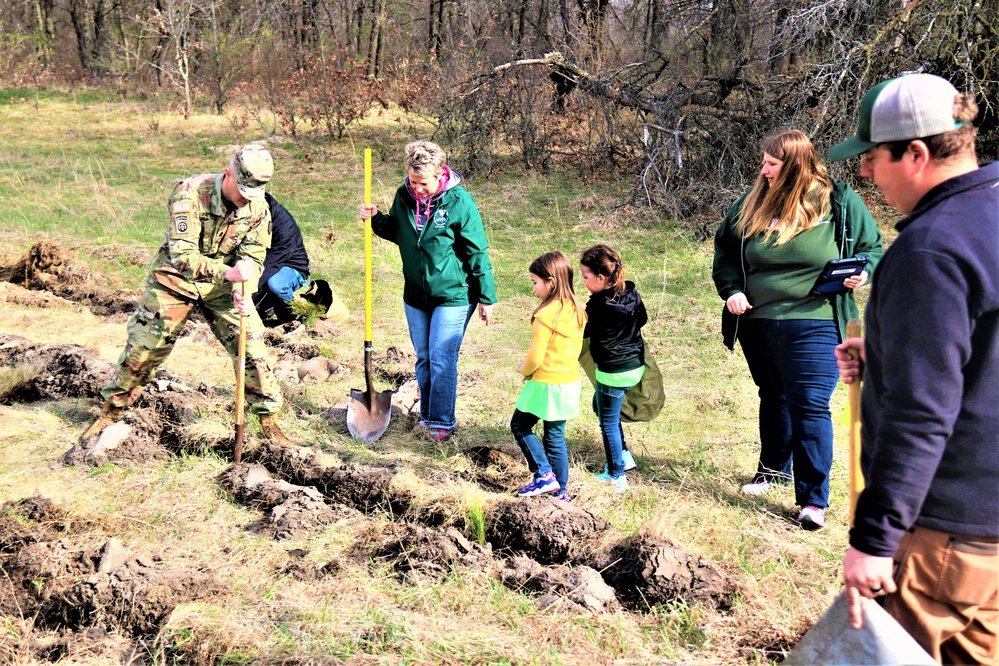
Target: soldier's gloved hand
(242,271)
(285,283)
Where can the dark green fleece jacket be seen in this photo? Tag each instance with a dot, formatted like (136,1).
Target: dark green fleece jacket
(857,235)
(446,264)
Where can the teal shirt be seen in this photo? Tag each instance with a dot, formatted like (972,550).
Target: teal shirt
(780,277)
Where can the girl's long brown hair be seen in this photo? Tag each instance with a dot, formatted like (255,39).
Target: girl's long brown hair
(555,266)
(799,196)
(604,261)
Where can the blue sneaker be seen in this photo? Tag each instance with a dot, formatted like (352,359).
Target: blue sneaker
(540,485)
(562,496)
(603,476)
(629,461)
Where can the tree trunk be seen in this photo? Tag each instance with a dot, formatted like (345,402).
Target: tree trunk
(374,41)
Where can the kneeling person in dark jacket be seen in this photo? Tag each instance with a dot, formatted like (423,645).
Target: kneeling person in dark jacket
(286,271)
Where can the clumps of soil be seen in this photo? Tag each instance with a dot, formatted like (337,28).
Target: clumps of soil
(149,430)
(319,369)
(293,512)
(31,520)
(69,586)
(415,549)
(18,295)
(395,366)
(545,529)
(58,370)
(362,487)
(574,589)
(49,267)
(79,647)
(134,598)
(647,571)
(498,471)
(41,571)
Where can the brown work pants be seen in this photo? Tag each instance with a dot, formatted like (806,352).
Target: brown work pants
(947,594)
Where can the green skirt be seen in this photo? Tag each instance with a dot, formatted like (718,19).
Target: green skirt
(550,402)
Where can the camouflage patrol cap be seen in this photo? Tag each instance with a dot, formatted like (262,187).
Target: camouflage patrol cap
(253,166)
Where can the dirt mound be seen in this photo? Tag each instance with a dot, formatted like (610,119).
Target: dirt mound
(294,512)
(46,264)
(49,267)
(319,369)
(58,370)
(133,440)
(39,571)
(550,531)
(151,429)
(31,520)
(359,486)
(498,471)
(414,549)
(563,588)
(18,295)
(651,571)
(135,598)
(79,647)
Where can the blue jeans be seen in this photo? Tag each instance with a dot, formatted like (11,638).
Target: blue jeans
(607,401)
(552,456)
(437,336)
(793,364)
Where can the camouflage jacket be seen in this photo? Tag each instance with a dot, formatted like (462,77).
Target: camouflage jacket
(205,239)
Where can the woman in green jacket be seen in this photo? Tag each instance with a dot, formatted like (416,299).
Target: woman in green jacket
(769,250)
(447,272)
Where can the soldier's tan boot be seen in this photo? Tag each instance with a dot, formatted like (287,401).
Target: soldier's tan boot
(268,423)
(110,414)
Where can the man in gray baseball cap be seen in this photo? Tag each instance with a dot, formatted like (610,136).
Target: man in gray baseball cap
(926,527)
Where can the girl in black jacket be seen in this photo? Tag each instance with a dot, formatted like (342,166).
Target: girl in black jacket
(615,316)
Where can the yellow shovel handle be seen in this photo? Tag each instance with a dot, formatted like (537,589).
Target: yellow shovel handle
(367,247)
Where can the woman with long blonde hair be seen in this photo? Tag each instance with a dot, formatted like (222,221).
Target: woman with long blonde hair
(769,251)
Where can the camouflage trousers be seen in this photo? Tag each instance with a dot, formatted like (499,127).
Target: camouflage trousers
(153,330)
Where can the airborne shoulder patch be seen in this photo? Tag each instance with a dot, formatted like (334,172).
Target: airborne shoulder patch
(180,221)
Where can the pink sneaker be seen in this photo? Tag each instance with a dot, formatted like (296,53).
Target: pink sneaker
(438,434)
(812,517)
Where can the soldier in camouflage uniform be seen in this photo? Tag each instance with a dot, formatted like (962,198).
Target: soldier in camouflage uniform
(220,230)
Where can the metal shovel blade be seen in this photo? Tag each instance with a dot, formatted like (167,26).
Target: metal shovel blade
(368,411)
(368,419)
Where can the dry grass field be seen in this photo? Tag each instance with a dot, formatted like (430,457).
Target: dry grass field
(92,177)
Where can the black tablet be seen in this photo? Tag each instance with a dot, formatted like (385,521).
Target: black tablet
(830,280)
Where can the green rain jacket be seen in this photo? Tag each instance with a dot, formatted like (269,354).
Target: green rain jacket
(857,235)
(448,263)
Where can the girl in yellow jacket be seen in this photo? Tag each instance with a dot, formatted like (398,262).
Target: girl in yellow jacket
(551,394)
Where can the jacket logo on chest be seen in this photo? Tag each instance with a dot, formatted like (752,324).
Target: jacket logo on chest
(440,219)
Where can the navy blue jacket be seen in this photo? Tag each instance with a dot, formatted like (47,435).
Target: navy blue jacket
(931,390)
(287,246)
(614,328)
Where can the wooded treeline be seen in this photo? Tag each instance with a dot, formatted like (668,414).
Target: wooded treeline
(674,94)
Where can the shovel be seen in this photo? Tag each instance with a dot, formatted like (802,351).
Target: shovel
(856,475)
(368,412)
(240,382)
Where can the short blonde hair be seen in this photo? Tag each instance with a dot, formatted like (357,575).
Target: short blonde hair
(425,158)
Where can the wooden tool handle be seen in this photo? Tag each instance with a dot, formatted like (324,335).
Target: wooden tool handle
(856,474)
